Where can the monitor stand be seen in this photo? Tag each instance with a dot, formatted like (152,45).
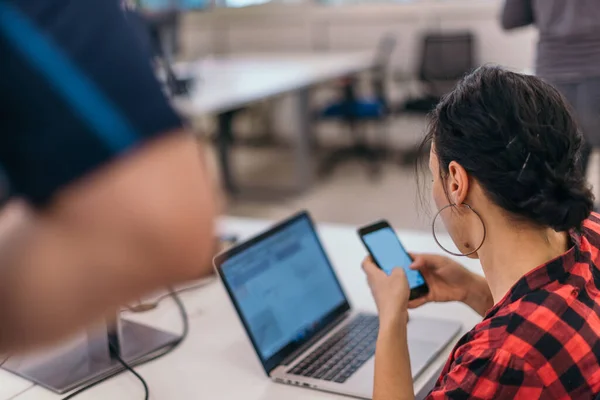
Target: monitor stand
(87,359)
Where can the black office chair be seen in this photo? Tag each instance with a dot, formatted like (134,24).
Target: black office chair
(445,59)
(354,112)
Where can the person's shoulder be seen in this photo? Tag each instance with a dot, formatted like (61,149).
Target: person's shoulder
(590,236)
(489,334)
(492,343)
(517,326)
(592,222)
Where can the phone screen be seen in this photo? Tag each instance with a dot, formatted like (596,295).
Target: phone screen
(388,253)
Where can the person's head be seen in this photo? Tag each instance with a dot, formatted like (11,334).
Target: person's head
(507,145)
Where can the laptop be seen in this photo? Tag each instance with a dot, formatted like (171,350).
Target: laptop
(298,317)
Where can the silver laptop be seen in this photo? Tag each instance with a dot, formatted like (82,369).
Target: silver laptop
(298,318)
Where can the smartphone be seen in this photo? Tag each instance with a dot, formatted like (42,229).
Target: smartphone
(388,253)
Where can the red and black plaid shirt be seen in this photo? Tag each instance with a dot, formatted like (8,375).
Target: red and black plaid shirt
(542,340)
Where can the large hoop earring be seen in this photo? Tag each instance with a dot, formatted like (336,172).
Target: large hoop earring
(438,242)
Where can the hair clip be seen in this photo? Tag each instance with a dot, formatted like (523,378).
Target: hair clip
(523,167)
(511,142)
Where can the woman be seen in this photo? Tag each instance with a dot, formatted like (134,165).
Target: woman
(503,158)
(568,54)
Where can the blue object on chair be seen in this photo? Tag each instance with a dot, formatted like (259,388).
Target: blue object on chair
(357,109)
(354,111)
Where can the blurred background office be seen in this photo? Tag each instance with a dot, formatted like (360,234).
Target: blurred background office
(321,104)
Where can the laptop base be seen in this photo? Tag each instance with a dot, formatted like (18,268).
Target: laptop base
(426,339)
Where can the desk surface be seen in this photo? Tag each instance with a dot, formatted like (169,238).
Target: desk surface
(224,84)
(217,361)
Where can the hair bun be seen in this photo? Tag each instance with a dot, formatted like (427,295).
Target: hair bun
(562,207)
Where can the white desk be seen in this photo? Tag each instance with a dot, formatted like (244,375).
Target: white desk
(231,82)
(217,361)
(225,85)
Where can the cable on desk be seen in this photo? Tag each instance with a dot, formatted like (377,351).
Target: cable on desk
(151,305)
(91,385)
(116,355)
(151,357)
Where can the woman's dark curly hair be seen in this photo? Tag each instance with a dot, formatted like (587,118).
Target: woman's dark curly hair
(517,136)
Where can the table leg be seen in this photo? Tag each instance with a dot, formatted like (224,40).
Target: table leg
(225,140)
(303,165)
(304,168)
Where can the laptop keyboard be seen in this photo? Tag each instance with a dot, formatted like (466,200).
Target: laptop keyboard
(343,353)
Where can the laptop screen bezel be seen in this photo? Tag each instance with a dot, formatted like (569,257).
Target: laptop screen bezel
(275,360)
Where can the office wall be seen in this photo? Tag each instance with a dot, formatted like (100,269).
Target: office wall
(310,28)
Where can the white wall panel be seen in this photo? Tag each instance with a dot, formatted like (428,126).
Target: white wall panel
(302,28)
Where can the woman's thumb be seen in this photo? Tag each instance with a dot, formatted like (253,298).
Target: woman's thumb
(418,261)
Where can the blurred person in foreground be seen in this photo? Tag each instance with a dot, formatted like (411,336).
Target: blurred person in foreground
(115,199)
(504,151)
(568,55)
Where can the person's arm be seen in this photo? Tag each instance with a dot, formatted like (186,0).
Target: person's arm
(517,14)
(393,377)
(450,281)
(479,297)
(117,198)
(142,223)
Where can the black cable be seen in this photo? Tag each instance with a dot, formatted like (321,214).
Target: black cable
(116,355)
(151,305)
(151,357)
(185,289)
(91,385)
(4,361)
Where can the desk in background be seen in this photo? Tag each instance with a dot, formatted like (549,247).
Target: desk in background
(224,85)
(217,360)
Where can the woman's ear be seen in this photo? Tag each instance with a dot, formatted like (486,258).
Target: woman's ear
(458,183)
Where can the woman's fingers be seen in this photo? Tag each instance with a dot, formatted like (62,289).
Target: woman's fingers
(423,262)
(418,261)
(418,302)
(370,268)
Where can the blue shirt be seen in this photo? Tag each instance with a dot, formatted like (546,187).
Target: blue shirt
(77,90)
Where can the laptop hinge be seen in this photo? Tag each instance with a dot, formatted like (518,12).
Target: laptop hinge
(318,336)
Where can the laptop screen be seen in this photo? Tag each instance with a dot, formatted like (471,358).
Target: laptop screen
(283,286)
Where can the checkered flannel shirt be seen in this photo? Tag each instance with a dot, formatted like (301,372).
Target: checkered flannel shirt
(542,340)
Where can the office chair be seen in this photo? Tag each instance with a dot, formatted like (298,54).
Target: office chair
(355,112)
(445,59)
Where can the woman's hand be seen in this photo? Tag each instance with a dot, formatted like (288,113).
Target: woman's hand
(450,281)
(390,293)
(393,378)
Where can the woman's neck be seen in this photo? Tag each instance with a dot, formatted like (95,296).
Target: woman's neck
(508,254)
